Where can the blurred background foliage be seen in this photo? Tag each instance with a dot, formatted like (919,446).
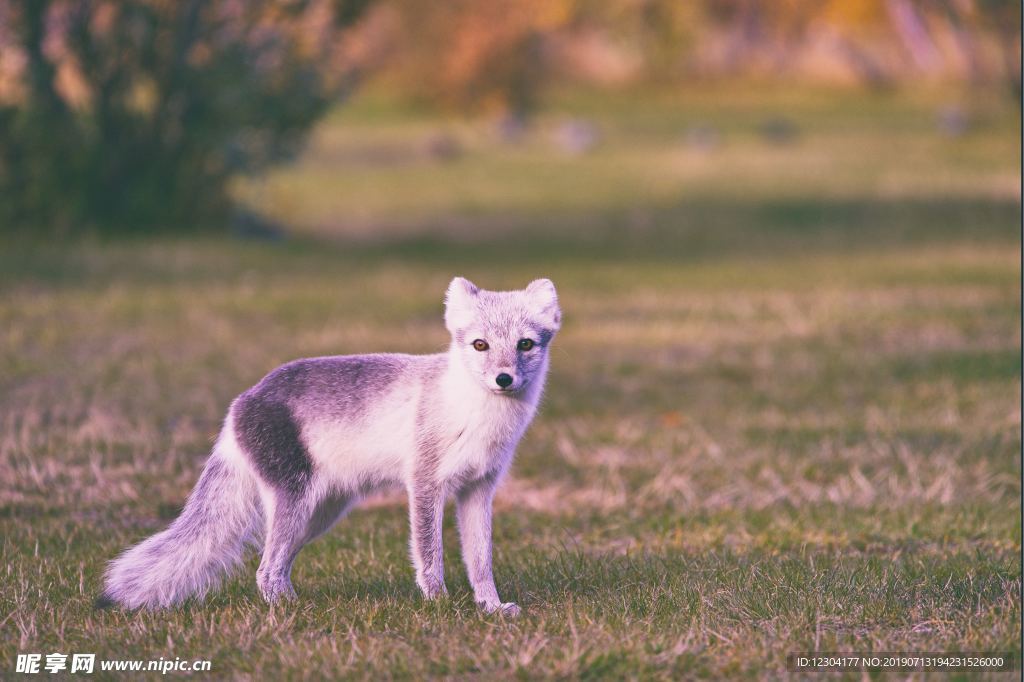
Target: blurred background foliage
(135,115)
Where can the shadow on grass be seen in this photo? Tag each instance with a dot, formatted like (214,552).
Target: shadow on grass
(714,230)
(688,233)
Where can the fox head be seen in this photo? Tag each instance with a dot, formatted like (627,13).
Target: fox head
(502,337)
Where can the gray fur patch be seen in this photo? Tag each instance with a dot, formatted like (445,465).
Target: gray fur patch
(267,431)
(335,387)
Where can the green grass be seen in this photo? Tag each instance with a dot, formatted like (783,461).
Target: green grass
(783,415)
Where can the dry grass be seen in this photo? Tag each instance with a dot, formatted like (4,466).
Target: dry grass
(776,422)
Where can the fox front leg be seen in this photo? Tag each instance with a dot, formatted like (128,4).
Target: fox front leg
(473,508)
(426,513)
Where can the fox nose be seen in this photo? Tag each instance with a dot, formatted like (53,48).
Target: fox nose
(503,380)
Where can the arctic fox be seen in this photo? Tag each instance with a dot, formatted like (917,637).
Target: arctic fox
(301,447)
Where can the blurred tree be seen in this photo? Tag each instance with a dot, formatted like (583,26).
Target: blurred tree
(134,114)
(974,19)
(660,32)
(469,54)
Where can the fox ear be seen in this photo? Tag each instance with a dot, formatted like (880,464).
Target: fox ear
(459,304)
(544,298)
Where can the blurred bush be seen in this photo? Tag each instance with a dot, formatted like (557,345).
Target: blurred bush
(134,114)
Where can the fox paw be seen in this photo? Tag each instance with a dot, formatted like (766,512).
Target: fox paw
(509,609)
(277,590)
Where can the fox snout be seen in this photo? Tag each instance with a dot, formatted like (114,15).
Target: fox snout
(506,380)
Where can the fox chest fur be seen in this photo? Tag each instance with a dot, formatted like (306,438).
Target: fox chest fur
(470,439)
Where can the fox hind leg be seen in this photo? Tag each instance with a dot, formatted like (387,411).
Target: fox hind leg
(328,511)
(294,521)
(286,532)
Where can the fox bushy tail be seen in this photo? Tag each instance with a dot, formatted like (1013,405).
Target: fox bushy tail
(223,514)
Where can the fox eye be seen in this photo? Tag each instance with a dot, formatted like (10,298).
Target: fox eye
(480,345)
(525,344)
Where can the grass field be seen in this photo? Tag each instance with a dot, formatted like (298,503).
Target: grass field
(784,410)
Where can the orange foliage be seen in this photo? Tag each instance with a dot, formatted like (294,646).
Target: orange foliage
(477,54)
